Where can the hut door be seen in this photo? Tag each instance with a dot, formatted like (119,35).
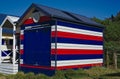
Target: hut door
(37,46)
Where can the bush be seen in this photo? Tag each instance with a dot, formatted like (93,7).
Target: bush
(20,75)
(59,75)
(75,74)
(96,72)
(41,76)
(92,73)
(10,76)
(30,75)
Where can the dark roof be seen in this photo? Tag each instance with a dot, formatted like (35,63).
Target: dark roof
(64,15)
(67,15)
(2,17)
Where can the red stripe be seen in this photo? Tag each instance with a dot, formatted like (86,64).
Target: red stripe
(39,67)
(76,36)
(21,37)
(29,21)
(79,66)
(17,33)
(44,18)
(62,67)
(76,51)
(21,51)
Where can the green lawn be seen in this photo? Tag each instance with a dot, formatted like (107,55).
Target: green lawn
(92,73)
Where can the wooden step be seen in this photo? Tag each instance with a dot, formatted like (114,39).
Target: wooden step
(5,57)
(8,68)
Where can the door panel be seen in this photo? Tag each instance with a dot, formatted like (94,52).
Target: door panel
(37,46)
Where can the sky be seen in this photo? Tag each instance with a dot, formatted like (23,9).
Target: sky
(91,8)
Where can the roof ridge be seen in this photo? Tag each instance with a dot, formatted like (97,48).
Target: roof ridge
(62,14)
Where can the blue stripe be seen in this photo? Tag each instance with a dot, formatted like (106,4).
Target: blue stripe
(8,52)
(38,71)
(22,27)
(75,57)
(80,26)
(21,41)
(21,56)
(7,30)
(77,41)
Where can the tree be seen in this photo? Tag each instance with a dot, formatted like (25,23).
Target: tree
(112,36)
(117,18)
(112,18)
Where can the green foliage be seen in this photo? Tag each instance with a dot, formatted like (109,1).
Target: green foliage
(41,76)
(59,75)
(10,77)
(97,72)
(75,74)
(30,75)
(117,17)
(20,75)
(96,20)
(111,32)
(92,73)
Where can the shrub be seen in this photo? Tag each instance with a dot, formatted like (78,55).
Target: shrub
(10,76)
(42,76)
(30,75)
(75,74)
(20,75)
(59,75)
(96,72)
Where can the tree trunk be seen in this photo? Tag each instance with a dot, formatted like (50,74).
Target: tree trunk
(107,59)
(115,60)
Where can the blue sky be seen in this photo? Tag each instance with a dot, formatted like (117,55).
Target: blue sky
(90,8)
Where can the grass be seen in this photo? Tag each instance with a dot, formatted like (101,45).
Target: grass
(92,73)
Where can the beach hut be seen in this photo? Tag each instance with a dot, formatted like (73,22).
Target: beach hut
(8,60)
(53,39)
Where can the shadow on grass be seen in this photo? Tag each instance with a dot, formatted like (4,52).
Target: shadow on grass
(113,74)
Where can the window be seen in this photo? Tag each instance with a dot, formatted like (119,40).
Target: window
(7,41)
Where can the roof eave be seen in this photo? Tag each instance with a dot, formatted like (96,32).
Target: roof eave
(78,22)
(34,7)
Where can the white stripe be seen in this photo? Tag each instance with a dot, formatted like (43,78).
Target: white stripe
(76,46)
(8,37)
(21,46)
(21,61)
(77,31)
(22,32)
(28,27)
(53,28)
(77,62)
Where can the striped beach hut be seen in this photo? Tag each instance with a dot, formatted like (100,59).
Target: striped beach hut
(8,49)
(53,39)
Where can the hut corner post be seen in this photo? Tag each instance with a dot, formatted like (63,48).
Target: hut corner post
(14,44)
(0,44)
(55,45)
(115,60)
